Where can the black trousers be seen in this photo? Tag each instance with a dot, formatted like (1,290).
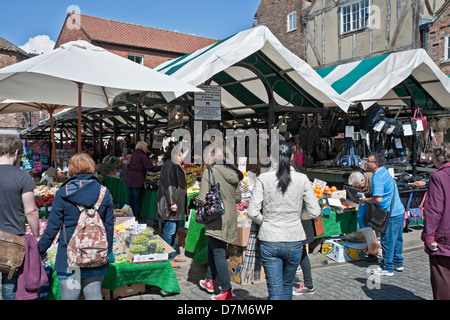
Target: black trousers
(217,263)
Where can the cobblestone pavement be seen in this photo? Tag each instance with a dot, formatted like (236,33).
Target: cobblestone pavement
(332,280)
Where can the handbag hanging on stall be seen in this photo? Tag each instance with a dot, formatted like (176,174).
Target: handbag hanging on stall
(419,120)
(348,157)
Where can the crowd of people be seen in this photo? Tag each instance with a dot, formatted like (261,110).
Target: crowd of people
(282,207)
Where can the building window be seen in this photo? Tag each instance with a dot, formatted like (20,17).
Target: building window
(136,58)
(292,21)
(447,48)
(355,16)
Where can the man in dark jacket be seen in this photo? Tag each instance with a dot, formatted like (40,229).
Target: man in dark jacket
(137,171)
(172,198)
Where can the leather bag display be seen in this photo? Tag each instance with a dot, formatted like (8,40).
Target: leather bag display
(319,229)
(12,253)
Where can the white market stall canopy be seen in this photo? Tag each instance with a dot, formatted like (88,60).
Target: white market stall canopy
(387,78)
(250,67)
(52,77)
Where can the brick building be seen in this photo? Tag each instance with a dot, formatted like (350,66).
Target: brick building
(328,33)
(283,18)
(145,45)
(438,39)
(15,122)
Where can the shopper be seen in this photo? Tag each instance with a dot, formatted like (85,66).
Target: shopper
(305,264)
(384,188)
(363,181)
(276,204)
(16,201)
(172,195)
(138,166)
(436,211)
(223,230)
(82,188)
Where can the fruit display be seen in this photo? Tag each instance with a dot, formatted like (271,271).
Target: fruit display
(144,242)
(323,192)
(44,200)
(193,169)
(44,190)
(190,180)
(193,189)
(243,205)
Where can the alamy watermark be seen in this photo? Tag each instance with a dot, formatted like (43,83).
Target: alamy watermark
(227,146)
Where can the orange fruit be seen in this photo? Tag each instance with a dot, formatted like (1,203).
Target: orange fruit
(333,188)
(327,189)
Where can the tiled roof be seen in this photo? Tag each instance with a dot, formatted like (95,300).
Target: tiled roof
(8,46)
(128,34)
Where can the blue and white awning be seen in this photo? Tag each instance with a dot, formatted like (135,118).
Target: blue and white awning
(371,80)
(293,81)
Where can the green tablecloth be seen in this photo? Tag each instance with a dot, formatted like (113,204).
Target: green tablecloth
(197,241)
(119,193)
(339,223)
(334,224)
(160,274)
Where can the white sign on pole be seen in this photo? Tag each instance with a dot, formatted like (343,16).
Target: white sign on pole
(208,103)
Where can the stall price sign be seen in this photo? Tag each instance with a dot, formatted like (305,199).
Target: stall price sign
(208,104)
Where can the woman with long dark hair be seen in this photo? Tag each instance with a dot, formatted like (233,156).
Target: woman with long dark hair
(281,198)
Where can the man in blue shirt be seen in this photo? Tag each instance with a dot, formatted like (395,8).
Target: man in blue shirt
(384,188)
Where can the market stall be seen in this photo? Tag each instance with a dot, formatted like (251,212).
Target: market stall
(140,257)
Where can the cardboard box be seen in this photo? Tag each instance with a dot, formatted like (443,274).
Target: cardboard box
(339,250)
(236,253)
(235,270)
(242,236)
(182,234)
(128,290)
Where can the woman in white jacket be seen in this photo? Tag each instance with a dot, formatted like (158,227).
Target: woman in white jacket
(281,198)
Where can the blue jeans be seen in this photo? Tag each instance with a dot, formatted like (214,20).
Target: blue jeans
(392,244)
(280,261)
(9,287)
(170,236)
(135,201)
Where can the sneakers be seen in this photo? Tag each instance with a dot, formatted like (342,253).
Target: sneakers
(227,295)
(207,285)
(302,290)
(399,269)
(380,272)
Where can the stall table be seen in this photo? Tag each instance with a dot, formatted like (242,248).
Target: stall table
(334,224)
(159,274)
(119,193)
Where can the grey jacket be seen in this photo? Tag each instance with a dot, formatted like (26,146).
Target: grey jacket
(225,227)
(281,215)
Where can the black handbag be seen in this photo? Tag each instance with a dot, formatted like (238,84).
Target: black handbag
(378,219)
(374,114)
(212,206)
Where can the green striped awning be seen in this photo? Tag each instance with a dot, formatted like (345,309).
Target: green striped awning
(383,79)
(239,63)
